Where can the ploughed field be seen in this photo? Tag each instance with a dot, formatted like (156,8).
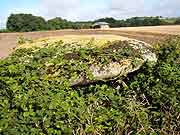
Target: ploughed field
(147,34)
(174,30)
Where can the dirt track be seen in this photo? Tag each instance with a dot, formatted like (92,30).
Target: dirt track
(9,40)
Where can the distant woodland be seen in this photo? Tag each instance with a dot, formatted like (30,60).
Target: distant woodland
(28,22)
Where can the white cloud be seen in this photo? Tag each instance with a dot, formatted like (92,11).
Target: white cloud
(127,8)
(169,7)
(69,9)
(4,17)
(76,10)
(93,9)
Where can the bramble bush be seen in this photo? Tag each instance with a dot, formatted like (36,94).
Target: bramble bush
(36,98)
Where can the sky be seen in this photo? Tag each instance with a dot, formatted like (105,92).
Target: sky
(89,9)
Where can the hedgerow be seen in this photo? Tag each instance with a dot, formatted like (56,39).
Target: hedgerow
(36,97)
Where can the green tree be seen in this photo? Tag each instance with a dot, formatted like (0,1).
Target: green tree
(143,21)
(25,23)
(177,21)
(109,20)
(58,23)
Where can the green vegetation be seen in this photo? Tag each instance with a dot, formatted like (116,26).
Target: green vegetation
(28,22)
(4,31)
(36,96)
(25,23)
(22,40)
(140,21)
(58,23)
(170,21)
(132,22)
(177,21)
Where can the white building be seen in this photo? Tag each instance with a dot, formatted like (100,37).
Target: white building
(101,25)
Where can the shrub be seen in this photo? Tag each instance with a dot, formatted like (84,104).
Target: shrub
(23,40)
(177,21)
(36,98)
(159,86)
(25,23)
(4,31)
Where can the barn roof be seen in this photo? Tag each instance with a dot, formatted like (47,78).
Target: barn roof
(101,23)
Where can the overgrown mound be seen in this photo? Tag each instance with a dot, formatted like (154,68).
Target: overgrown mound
(92,59)
(40,94)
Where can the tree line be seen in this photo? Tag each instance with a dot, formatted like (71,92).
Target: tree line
(28,22)
(140,21)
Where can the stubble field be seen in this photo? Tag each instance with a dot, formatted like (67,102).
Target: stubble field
(148,34)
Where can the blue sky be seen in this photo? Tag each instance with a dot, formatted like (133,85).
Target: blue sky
(89,9)
(16,6)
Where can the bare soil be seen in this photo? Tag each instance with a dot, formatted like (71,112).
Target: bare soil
(166,29)
(8,41)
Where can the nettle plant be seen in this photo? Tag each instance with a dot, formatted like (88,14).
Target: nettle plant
(36,96)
